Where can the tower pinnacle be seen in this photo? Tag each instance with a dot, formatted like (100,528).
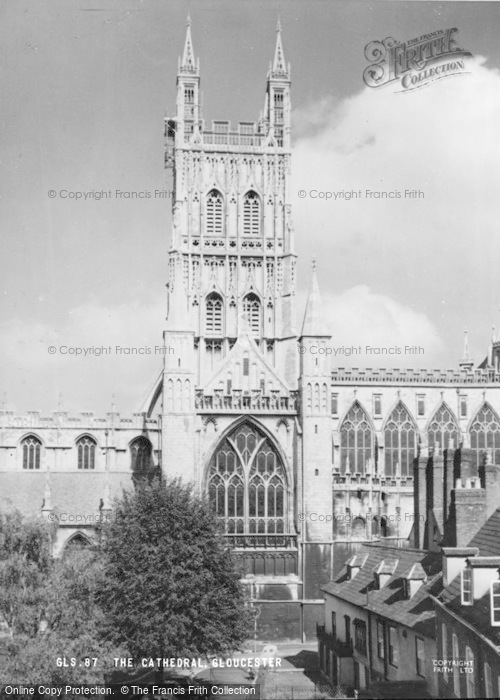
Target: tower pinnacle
(314,323)
(188,63)
(279,68)
(466,361)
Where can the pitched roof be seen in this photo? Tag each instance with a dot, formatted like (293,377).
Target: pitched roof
(487,542)
(389,602)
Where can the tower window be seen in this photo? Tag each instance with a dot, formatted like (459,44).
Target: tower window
(86,452)
(213,317)
(214,213)
(251,214)
(377,404)
(189,95)
(251,307)
(31,452)
(246,366)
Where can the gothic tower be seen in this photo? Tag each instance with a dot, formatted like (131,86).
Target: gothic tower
(231,259)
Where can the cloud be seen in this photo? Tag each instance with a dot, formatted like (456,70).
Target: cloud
(363,319)
(36,379)
(437,253)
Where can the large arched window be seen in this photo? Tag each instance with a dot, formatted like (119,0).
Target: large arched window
(213,213)
(252,309)
(213,315)
(251,214)
(247,483)
(86,447)
(485,434)
(140,454)
(400,438)
(356,441)
(443,428)
(32,448)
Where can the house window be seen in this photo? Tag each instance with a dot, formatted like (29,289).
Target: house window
(463,406)
(488,682)
(214,213)
(466,587)
(251,214)
(334,625)
(495,603)
(456,677)
(140,453)
(86,452)
(213,314)
(470,682)
(400,442)
(420,656)
(251,307)
(377,404)
(360,636)
(444,648)
(380,639)
(335,404)
(420,405)
(393,646)
(356,441)
(347,622)
(31,452)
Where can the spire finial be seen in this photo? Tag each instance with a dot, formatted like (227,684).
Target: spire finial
(493,334)
(279,68)
(188,63)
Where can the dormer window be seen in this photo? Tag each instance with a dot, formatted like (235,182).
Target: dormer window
(495,603)
(355,564)
(466,586)
(384,572)
(413,579)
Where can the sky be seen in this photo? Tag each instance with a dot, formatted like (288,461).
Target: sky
(86,85)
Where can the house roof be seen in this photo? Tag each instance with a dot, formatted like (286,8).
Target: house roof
(487,542)
(389,602)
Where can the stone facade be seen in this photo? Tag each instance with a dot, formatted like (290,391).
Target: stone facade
(302,460)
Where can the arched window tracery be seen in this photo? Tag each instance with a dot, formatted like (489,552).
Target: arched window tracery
(247,483)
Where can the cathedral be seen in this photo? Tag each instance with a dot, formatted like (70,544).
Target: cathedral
(302,460)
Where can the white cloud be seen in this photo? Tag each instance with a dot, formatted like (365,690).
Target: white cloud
(438,254)
(34,377)
(360,318)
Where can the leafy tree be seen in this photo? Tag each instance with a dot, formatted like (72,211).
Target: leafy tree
(171,585)
(50,607)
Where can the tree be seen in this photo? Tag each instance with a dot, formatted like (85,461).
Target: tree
(50,608)
(171,584)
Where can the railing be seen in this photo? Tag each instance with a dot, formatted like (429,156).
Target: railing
(232,138)
(356,480)
(237,401)
(414,376)
(276,541)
